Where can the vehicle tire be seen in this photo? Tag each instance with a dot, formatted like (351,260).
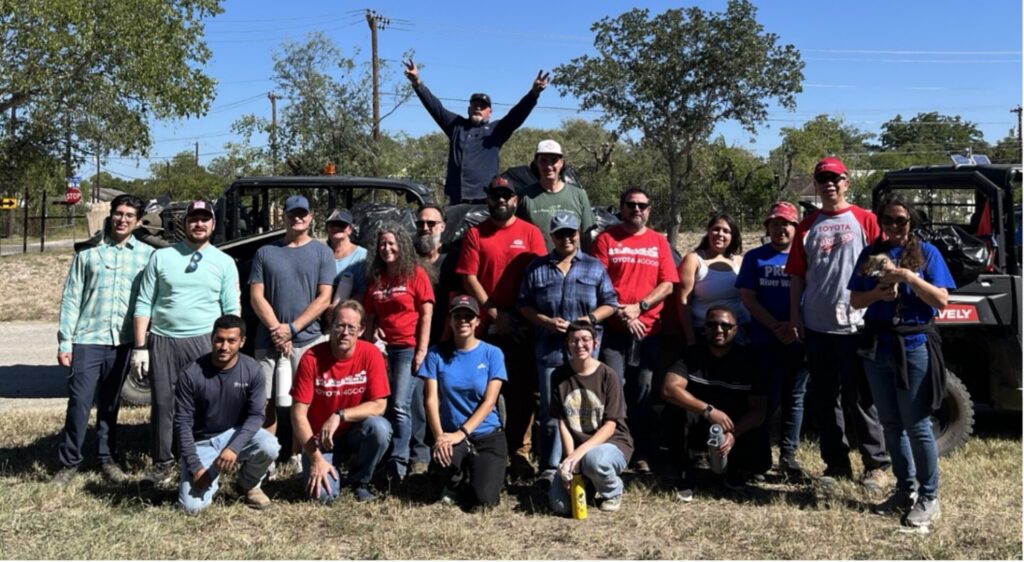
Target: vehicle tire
(135,391)
(953,423)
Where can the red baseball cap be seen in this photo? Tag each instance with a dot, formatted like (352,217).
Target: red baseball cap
(783,210)
(830,164)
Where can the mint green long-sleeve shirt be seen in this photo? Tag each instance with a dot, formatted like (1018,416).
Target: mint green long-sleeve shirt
(183,301)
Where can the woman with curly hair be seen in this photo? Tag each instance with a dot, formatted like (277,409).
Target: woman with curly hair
(399,304)
(902,280)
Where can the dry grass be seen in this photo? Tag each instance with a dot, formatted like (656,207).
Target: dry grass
(981,490)
(31,285)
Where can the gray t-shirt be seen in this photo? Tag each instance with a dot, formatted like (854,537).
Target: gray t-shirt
(538,206)
(290,278)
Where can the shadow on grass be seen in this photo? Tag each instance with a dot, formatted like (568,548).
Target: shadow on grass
(33,381)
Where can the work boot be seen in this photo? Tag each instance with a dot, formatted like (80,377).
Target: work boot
(160,476)
(875,479)
(255,498)
(113,473)
(64,476)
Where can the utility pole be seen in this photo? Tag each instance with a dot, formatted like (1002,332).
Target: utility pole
(197,154)
(273,131)
(96,184)
(1018,111)
(376,21)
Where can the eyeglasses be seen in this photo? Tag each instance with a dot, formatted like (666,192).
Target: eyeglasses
(124,216)
(193,264)
(581,341)
(714,326)
(501,195)
(428,224)
(829,178)
(346,328)
(899,222)
(637,206)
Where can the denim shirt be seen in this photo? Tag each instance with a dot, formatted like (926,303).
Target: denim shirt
(585,287)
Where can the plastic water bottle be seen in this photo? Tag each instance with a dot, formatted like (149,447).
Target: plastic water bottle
(633,351)
(718,461)
(579,497)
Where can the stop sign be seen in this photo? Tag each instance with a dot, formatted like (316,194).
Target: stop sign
(72,196)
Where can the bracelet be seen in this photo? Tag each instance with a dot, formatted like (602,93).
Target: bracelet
(464,432)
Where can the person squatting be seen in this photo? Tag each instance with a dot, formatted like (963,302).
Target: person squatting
(409,360)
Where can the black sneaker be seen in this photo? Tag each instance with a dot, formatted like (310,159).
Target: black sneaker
(363,494)
(113,472)
(899,502)
(791,470)
(641,466)
(160,476)
(64,476)
(833,475)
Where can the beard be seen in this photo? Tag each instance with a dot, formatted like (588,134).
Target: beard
(477,119)
(191,237)
(424,244)
(501,212)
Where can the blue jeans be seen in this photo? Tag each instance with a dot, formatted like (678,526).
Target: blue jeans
(399,413)
(550,439)
(419,449)
(97,372)
(253,460)
(906,424)
(602,465)
(368,441)
(787,386)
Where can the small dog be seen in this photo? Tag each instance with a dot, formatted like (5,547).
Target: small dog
(877,265)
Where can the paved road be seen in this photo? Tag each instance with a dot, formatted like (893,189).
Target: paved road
(9,248)
(29,374)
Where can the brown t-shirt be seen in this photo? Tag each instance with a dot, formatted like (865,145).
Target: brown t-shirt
(585,403)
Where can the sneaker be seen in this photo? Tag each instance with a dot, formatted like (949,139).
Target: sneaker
(545,480)
(611,504)
(924,512)
(833,475)
(684,488)
(641,466)
(64,476)
(160,475)
(256,499)
(521,468)
(291,468)
(447,496)
(875,479)
(363,494)
(418,468)
(791,470)
(684,495)
(899,502)
(113,473)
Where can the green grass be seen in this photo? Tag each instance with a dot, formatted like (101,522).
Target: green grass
(981,502)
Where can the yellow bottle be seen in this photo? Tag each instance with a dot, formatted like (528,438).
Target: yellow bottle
(579,497)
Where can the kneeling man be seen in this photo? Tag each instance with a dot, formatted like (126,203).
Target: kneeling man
(339,397)
(720,383)
(218,413)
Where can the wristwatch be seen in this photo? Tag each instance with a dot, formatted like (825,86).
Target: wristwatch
(644,306)
(341,414)
(592,318)
(707,411)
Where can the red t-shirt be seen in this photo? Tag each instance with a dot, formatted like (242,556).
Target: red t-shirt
(396,302)
(327,383)
(636,263)
(498,256)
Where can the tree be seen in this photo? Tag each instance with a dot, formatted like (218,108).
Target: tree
(182,179)
(675,76)
(822,136)
(931,136)
(1007,150)
(83,74)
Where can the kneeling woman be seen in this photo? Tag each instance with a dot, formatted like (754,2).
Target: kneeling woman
(587,400)
(463,378)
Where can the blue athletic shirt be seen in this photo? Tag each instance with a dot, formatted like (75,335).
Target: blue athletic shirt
(764,272)
(461,383)
(912,310)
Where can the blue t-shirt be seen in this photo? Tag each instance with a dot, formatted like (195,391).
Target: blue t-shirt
(353,264)
(907,309)
(462,381)
(763,271)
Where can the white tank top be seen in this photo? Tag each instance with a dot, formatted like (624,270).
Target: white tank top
(715,287)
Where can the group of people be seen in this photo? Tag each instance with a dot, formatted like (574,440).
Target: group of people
(380,362)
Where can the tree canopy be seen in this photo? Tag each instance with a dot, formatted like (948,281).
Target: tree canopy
(674,76)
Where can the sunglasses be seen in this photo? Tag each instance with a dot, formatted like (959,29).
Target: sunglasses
(564,233)
(886,220)
(193,264)
(637,206)
(463,316)
(714,326)
(428,224)
(829,178)
(501,195)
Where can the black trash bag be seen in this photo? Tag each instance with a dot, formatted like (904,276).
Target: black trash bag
(966,255)
(458,219)
(371,216)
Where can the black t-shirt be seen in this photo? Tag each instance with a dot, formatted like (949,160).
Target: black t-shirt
(446,283)
(724,382)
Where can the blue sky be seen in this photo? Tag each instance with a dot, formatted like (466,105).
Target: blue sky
(866,60)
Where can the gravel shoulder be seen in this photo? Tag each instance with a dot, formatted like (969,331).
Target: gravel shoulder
(29,374)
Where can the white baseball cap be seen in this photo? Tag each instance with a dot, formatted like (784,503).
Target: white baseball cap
(548,147)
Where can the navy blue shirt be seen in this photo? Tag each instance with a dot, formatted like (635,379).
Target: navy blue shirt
(576,294)
(209,401)
(763,271)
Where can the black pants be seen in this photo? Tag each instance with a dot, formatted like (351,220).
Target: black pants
(97,373)
(486,457)
(639,390)
(520,391)
(167,357)
(751,453)
(841,401)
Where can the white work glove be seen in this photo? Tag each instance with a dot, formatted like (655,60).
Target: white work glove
(139,363)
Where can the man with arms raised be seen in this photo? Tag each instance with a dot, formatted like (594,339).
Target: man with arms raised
(218,412)
(184,289)
(289,288)
(639,262)
(825,250)
(340,395)
(94,336)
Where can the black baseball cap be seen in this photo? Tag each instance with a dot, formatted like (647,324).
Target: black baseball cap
(482,98)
